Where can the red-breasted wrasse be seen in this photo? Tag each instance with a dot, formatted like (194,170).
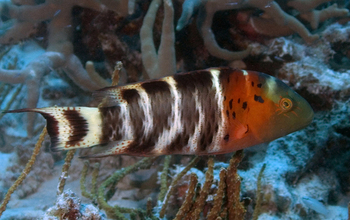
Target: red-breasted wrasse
(212,111)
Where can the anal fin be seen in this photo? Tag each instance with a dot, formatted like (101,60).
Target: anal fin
(109,149)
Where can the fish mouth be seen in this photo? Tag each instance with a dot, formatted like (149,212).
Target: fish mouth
(301,123)
(308,119)
(311,117)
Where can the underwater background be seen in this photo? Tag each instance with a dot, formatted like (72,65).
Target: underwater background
(57,52)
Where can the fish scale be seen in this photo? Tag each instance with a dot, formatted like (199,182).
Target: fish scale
(212,111)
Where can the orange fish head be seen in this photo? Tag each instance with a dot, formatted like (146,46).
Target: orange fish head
(259,108)
(282,112)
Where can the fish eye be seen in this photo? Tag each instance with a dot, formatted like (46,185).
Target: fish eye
(286,104)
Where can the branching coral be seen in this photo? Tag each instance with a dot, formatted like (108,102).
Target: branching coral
(59,52)
(199,203)
(235,208)
(93,194)
(69,205)
(161,63)
(223,200)
(102,198)
(64,175)
(274,22)
(226,202)
(219,197)
(187,204)
(270,27)
(25,172)
(164,179)
(174,183)
(259,194)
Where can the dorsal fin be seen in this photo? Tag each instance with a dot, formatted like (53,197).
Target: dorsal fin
(112,96)
(107,97)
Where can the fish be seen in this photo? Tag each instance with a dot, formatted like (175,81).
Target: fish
(316,205)
(204,112)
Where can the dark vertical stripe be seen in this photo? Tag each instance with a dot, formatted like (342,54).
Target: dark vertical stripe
(187,84)
(132,97)
(112,124)
(210,108)
(78,124)
(52,129)
(160,100)
(137,118)
(160,97)
(225,73)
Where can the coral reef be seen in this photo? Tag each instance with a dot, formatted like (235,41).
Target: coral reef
(59,51)
(162,63)
(56,52)
(274,21)
(68,206)
(24,173)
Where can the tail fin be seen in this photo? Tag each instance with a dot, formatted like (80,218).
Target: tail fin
(70,127)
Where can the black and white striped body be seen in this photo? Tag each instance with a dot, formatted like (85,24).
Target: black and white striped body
(180,114)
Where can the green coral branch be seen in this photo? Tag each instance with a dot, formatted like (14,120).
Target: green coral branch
(93,194)
(82,181)
(116,212)
(94,179)
(164,179)
(259,194)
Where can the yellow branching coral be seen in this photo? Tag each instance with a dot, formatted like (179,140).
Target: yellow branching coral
(65,168)
(200,200)
(174,183)
(218,199)
(25,172)
(236,210)
(187,204)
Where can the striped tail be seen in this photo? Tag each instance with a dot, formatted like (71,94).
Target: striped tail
(70,127)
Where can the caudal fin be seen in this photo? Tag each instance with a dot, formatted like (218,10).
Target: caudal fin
(70,127)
